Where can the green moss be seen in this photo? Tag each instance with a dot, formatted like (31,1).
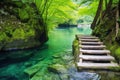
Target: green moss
(29,31)
(19,34)
(3,36)
(75,43)
(23,15)
(18,27)
(117,52)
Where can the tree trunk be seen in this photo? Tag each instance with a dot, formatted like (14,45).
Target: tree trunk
(117,25)
(106,4)
(117,17)
(97,14)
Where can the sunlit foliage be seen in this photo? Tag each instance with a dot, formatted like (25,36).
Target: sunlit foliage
(55,12)
(88,9)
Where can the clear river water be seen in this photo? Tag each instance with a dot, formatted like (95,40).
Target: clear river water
(60,39)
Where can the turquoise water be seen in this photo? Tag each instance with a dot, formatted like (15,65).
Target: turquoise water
(59,40)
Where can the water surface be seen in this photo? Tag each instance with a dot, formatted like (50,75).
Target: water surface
(60,39)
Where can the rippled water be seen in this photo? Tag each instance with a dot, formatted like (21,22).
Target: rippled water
(59,40)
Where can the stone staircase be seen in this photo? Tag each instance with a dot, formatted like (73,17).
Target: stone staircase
(93,54)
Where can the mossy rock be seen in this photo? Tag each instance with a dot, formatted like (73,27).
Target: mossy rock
(34,69)
(19,27)
(75,43)
(57,68)
(23,15)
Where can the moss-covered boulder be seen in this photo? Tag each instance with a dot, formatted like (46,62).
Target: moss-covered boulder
(20,28)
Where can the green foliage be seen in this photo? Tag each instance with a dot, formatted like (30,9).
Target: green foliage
(88,9)
(3,36)
(55,12)
(19,34)
(117,52)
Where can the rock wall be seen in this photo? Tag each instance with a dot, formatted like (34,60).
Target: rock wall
(106,31)
(21,25)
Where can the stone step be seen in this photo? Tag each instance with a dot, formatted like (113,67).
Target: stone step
(91,43)
(79,35)
(89,40)
(96,65)
(95,51)
(88,37)
(96,58)
(85,36)
(92,47)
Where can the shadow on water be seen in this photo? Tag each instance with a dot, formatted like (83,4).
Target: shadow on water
(17,56)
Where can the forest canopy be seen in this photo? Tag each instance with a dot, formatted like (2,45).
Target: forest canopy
(56,12)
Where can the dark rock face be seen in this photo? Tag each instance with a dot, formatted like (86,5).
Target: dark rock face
(21,25)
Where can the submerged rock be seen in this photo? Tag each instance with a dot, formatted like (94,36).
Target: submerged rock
(34,69)
(56,56)
(64,76)
(67,58)
(57,68)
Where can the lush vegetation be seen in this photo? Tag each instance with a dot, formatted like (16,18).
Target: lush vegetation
(87,10)
(106,25)
(56,12)
(28,18)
